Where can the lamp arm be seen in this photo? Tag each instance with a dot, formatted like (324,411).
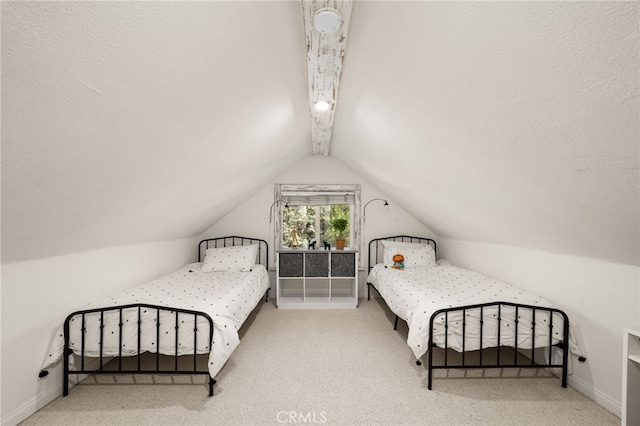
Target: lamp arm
(364,209)
(272,205)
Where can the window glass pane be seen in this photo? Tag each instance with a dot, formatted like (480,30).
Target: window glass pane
(298,226)
(337,211)
(303,224)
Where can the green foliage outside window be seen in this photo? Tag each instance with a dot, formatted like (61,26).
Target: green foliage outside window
(300,224)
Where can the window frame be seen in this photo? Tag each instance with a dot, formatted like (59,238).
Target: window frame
(353,190)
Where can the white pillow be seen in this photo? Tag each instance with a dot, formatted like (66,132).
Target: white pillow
(414,255)
(390,243)
(237,258)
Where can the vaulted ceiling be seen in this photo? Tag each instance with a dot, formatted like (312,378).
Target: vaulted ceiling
(513,123)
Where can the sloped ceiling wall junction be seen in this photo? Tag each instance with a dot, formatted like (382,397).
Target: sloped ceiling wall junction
(506,122)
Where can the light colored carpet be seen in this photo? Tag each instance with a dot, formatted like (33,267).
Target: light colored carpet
(334,367)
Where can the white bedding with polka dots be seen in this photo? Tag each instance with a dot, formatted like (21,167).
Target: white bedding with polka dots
(414,294)
(227,297)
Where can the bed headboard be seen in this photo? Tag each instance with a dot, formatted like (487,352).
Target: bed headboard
(376,249)
(263,247)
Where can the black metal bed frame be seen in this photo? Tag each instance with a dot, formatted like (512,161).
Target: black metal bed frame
(263,246)
(138,370)
(263,258)
(374,256)
(511,363)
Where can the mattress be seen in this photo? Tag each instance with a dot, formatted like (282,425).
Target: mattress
(414,294)
(227,297)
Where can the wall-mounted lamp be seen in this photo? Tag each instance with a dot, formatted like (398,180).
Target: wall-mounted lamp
(364,230)
(364,210)
(271,208)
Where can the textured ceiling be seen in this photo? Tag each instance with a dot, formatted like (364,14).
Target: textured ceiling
(130,122)
(514,123)
(506,122)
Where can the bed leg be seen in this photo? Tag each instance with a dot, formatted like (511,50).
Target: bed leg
(395,323)
(65,371)
(211,383)
(430,369)
(565,352)
(368,291)
(565,364)
(266,296)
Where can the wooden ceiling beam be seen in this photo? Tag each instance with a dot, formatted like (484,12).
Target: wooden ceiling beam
(325,53)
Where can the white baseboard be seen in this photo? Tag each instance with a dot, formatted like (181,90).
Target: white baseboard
(30,407)
(37,402)
(615,407)
(604,400)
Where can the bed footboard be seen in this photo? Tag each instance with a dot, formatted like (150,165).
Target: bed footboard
(540,328)
(137,325)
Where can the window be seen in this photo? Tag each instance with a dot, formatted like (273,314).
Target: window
(306,212)
(303,224)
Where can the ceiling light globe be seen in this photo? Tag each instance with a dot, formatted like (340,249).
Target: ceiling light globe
(327,20)
(322,106)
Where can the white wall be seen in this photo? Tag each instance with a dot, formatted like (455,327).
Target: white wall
(599,297)
(38,294)
(252,217)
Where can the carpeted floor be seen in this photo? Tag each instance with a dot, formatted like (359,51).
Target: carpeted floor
(334,367)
